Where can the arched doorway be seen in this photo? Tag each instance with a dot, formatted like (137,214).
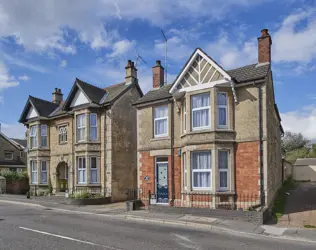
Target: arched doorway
(62,177)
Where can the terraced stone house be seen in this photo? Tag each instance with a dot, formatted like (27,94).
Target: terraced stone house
(212,133)
(87,141)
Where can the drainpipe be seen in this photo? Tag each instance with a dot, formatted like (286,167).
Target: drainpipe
(172,154)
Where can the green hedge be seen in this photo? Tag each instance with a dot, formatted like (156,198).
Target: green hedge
(13,176)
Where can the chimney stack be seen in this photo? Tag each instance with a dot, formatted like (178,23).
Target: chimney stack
(264,47)
(57,96)
(131,72)
(158,75)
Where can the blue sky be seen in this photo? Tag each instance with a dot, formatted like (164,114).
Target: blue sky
(46,44)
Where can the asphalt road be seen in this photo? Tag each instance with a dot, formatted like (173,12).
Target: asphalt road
(24,227)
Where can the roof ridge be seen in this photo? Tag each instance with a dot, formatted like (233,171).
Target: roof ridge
(77,79)
(242,67)
(43,100)
(114,85)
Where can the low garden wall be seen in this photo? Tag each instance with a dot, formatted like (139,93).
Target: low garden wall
(88,201)
(16,182)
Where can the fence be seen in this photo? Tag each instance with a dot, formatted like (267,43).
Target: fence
(226,201)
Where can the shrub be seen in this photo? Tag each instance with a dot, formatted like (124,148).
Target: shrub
(13,176)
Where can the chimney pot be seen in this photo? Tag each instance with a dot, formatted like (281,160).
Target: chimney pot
(133,65)
(158,63)
(264,32)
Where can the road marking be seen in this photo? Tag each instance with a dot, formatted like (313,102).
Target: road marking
(183,238)
(188,243)
(68,238)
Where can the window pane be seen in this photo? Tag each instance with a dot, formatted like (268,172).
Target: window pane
(94,176)
(93,162)
(201,160)
(43,130)
(201,118)
(161,127)
(161,112)
(93,133)
(222,116)
(223,179)
(201,179)
(199,101)
(44,166)
(221,99)
(93,120)
(44,177)
(44,141)
(223,159)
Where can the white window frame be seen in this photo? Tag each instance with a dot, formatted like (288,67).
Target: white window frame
(185,172)
(33,136)
(96,169)
(8,152)
(44,171)
(226,170)
(43,135)
(62,134)
(81,127)
(222,106)
(81,168)
(201,108)
(161,118)
(34,172)
(95,126)
(184,117)
(209,170)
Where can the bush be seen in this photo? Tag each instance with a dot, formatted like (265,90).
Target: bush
(14,176)
(84,195)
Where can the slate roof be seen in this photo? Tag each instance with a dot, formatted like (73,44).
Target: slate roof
(156,94)
(12,163)
(305,161)
(20,141)
(114,91)
(43,107)
(249,72)
(94,93)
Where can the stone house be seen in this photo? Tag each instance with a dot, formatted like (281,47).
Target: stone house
(12,153)
(87,141)
(212,132)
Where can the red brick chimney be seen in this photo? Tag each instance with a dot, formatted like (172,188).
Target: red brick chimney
(158,75)
(264,47)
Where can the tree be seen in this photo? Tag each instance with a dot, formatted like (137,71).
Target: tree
(293,141)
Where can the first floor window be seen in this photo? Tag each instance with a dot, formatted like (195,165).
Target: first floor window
(185,176)
(8,155)
(81,164)
(44,136)
(93,169)
(93,127)
(200,105)
(161,121)
(44,172)
(81,127)
(223,169)
(33,172)
(201,170)
(222,109)
(33,136)
(63,134)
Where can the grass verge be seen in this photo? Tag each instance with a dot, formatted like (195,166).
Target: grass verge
(309,226)
(280,201)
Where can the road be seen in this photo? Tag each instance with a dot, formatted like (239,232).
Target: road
(25,227)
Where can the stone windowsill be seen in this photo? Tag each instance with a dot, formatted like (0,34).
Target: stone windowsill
(40,149)
(87,142)
(63,143)
(89,185)
(204,131)
(160,138)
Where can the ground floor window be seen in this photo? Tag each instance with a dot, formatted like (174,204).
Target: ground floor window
(185,173)
(93,169)
(82,174)
(223,169)
(33,172)
(44,172)
(201,170)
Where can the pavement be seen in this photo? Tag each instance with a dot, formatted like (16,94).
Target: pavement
(116,212)
(300,208)
(35,227)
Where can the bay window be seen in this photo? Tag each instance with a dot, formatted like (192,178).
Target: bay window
(223,170)
(44,172)
(33,172)
(161,121)
(93,127)
(44,136)
(201,170)
(184,117)
(222,110)
(33,136)
(82,174)
(81,127)
(93,169)
(200,111)
(185,174)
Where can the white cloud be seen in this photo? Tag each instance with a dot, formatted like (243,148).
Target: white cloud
(63,64)
(24,64)
(307,120)
(42,25)
(5,79)
(15,130)
(121,47)
(24,78)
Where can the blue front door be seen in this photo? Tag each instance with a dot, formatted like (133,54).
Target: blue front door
(162,181)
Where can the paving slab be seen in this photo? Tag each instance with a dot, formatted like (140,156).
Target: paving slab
(272,230)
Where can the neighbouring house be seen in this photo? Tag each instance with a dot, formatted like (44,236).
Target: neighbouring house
(12,153)
(212,135)
(87,141)
(304,169)
(287,169)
